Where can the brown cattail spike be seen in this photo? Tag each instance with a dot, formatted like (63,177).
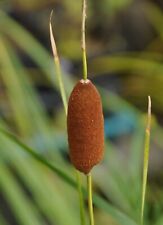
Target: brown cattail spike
(85,126)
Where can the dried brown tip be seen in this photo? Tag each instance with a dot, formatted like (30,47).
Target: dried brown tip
(52,40)
(85,126)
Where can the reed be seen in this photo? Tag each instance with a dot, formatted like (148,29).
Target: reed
(85,124)
(146,160)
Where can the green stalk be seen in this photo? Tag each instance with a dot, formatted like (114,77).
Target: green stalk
(90,204)
(146,160)
(89,177)
(83,40)
(63,95)
(80,193)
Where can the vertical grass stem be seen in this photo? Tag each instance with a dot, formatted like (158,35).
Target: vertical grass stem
(90,203)
(80,193)
(83,44)
(146,160)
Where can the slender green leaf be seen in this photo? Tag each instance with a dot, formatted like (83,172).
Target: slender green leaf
(146,159)
(23,209)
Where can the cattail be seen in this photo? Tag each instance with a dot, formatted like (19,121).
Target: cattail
(85,126)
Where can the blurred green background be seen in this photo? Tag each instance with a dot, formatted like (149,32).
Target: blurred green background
(125,54)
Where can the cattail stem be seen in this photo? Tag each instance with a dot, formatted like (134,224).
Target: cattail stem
(80,193)
(83,40)
(90,203)
(146,159)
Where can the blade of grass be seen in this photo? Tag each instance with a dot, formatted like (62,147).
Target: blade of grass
(58,66)
(24,210)
(134,166)
(146,160)
(98,201)
(18,88)
(14,90)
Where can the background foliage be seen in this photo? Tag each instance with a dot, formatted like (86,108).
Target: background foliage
(124,45)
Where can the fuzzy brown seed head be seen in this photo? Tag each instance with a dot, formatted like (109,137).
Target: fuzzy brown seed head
(85,126)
